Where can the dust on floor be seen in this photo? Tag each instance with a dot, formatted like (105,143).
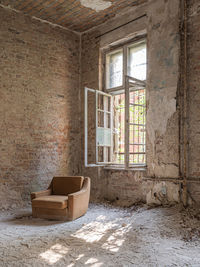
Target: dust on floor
(105,236)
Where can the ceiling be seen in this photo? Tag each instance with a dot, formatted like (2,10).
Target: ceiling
(77,15)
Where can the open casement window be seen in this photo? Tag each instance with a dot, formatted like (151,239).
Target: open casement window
(98,128)
(115,131)
(115,120)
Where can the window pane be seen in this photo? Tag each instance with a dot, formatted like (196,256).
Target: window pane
(103,154)
(107,103)
(100,102)
(114,69)
(118,133)
(137,61)
(136,149)
(120,159)
(91,128)
(100,154)
(137,159)
(100,119)
(137,135)
(138,97)
(107,121)
(104,119)
(137,114)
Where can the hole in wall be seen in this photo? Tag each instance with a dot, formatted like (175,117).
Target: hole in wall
(96,5)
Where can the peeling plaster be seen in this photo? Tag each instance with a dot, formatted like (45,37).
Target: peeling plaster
(96,5)
(163,193)
(162,108)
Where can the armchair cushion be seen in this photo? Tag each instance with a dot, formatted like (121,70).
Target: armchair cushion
(40,193)
(67,185)
(50,202)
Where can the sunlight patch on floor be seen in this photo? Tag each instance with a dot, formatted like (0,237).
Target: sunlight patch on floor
(54,254)
(76,260)
(94,262)
(94,231)
(116,240)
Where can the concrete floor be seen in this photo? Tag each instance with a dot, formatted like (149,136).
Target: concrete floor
(105,236)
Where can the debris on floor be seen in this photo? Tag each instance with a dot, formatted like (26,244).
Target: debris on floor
(105,236)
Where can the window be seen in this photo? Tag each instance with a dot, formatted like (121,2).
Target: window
(114,69)
(137,61)
(120,111)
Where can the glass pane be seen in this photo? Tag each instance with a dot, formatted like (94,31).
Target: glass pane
(104,154)
(107,151)
(137,159)
(100,102)
(136,149)
(120,159)
(107,101)
(100,154)
(107,120)
(104,119)
(100,119)
(114,69)
(91,129)
(137,134)
(104,102)
(134,114)
(103,137)
(137,114)
(138,97)
(118,125)
(133,159)
(137,61)
(137,109)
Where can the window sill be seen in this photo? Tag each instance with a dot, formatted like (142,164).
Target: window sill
(118,167)
(123,168)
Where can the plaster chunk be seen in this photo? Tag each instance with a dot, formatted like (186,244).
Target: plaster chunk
(96,5)
(163,193)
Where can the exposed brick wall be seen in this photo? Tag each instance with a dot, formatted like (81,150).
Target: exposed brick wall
(39,105)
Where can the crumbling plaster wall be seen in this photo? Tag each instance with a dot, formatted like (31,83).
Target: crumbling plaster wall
(162,84)
(193,97)
(162,27)
(39,110)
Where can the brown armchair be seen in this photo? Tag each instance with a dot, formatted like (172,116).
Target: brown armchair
(67,198)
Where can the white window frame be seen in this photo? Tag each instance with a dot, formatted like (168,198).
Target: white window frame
(97,93)
(128,84)
(135,84)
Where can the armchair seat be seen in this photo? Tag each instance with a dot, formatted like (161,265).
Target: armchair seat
(67,198)
(50,202)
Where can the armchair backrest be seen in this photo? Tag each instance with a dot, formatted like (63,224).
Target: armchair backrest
(66,185)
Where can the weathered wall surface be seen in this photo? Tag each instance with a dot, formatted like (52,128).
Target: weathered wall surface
(42,108)
(162,27)
(193,96)
(163,77)
(39,106)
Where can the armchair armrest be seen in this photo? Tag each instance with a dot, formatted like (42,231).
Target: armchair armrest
(40,193)
(78,201)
